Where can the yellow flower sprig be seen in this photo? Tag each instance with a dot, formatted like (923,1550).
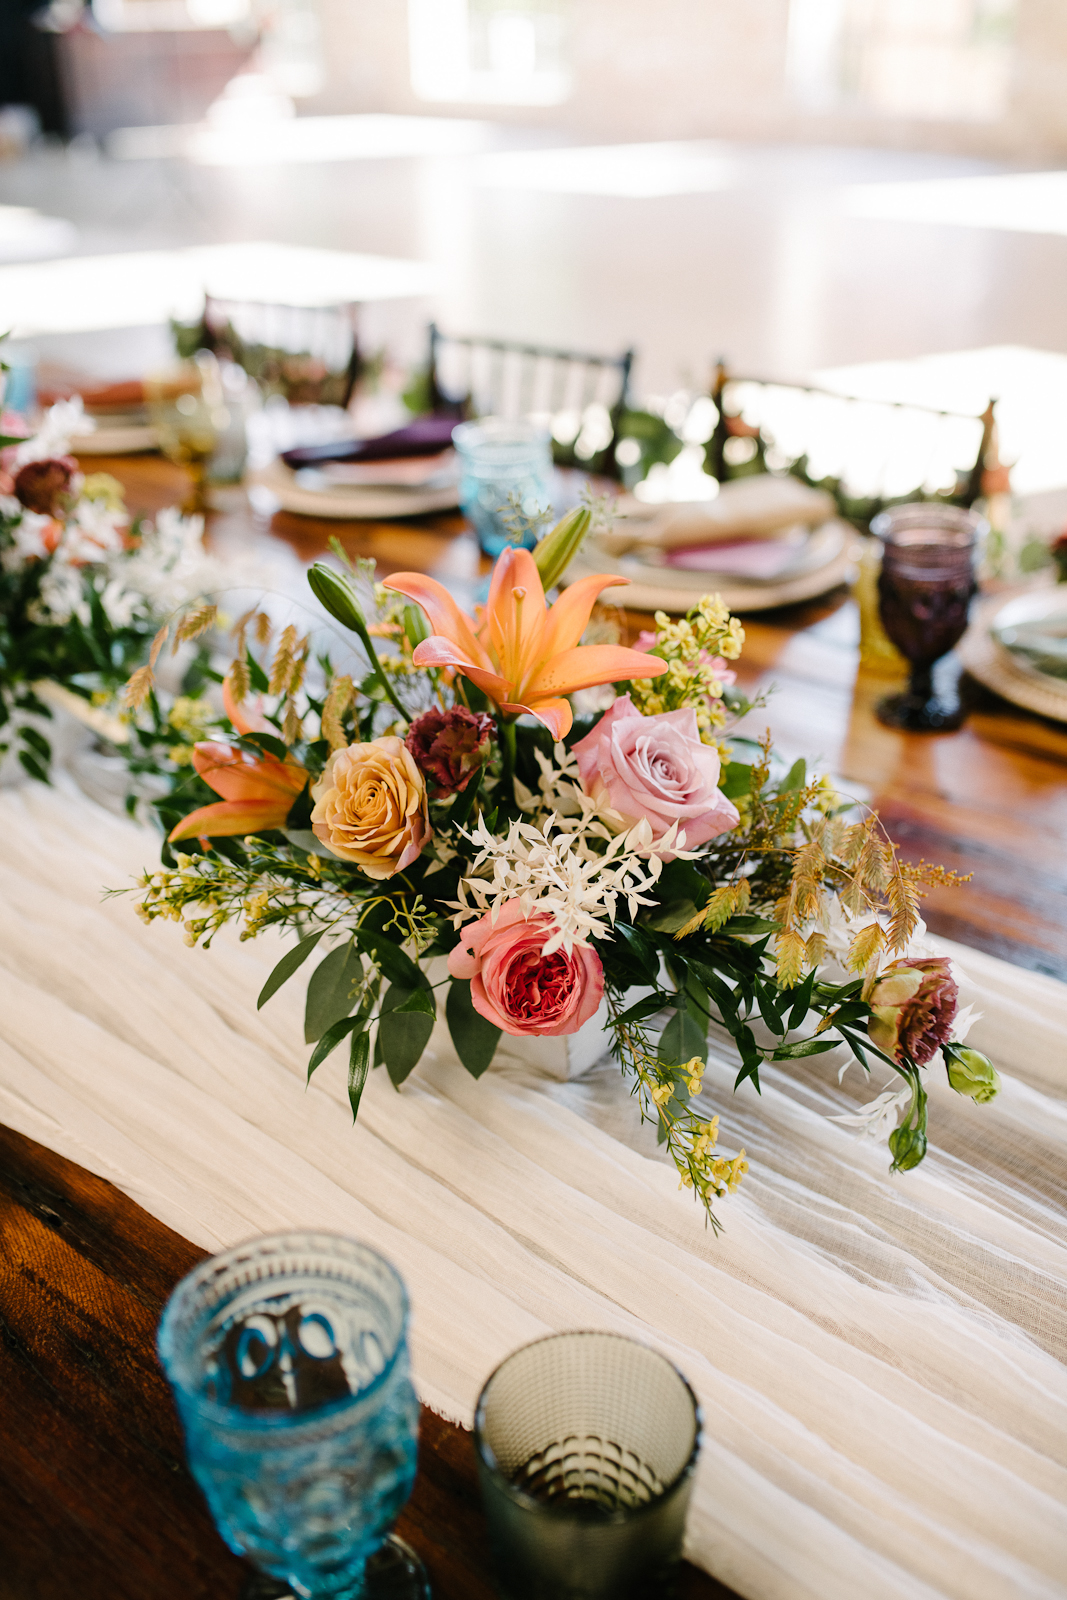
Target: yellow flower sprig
(690,1139)
(690,647)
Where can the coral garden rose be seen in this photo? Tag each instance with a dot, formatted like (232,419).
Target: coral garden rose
(449,747)
(370,807)
(914,1004)
(656,768)
(518,988)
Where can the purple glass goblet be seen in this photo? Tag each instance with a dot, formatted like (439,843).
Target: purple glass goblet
(924,593)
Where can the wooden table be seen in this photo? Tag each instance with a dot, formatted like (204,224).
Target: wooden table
(95,1499)
(96,1502)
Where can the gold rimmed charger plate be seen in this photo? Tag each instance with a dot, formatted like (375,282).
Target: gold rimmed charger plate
(997,667)
(128,440)
(351,503)
(826,561)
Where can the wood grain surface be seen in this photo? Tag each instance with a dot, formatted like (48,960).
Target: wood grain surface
(95,1500)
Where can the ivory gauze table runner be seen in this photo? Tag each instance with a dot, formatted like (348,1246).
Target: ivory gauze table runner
(879,1359)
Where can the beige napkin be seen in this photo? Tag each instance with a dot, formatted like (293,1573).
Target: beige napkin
(760,507)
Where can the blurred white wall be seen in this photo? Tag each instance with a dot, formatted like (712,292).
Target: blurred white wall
(973,76)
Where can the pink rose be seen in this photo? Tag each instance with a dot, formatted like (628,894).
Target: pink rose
(517,988)
(656,768)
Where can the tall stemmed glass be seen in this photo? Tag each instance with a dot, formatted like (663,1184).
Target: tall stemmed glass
(187,409)
(924,592)
(289,1363)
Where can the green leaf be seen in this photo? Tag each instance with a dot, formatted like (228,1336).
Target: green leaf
(309,842)
(805,1047)
(330,1040)
(795,778)
(358,1067)
(257,677)
(735,779)
(673,916)
(765,999)
(646,1008)
(680,880)
(801,1002)
(287,966)
(267,742)
(330,992)
(461,806)
(474,1037)
(681,1040)
(751,1059)
(404,1027)
(747,924)
(33,766)
(36,742)
(394,962)
(719,991)
(641,948)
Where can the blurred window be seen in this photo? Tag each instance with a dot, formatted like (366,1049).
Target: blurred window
(497,52)
(904,58)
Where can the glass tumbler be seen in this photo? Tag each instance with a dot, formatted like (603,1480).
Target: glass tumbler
(289,1364)
(505,476)
(586,1447)
(924,593)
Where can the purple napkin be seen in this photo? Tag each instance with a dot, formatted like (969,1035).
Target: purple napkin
(426,436)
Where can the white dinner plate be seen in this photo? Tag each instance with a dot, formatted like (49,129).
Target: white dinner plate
(351,502)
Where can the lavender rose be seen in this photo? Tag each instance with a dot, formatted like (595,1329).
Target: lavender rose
(449,747)
(656,768)
(914,1004)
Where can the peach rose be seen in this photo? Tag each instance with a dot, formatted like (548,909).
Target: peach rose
(517,988)
(370,807)
(656,768)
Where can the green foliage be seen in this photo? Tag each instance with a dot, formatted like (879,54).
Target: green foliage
(474,1037)
(404,1028)
(331,991)
(289,963)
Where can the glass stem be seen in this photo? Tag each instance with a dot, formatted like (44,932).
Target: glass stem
(921,685)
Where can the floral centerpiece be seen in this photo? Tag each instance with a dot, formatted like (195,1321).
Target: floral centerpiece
(475,813)
(83,586)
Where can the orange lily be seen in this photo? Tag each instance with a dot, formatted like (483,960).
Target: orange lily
(258,791)
(522,653)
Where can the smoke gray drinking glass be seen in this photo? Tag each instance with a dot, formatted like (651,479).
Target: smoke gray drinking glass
(586,1443)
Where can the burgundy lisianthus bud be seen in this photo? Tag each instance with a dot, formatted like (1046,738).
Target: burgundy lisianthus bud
(448,747)
(914,1004)
(39,484)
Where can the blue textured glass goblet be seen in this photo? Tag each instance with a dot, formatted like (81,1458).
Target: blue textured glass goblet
(506,476)
(289,1363)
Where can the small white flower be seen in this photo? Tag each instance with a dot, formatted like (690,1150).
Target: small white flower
(59,426)
(61,597)
(559,868)
(878,1118)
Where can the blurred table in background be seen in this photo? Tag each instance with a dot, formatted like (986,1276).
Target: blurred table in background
(990,799)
